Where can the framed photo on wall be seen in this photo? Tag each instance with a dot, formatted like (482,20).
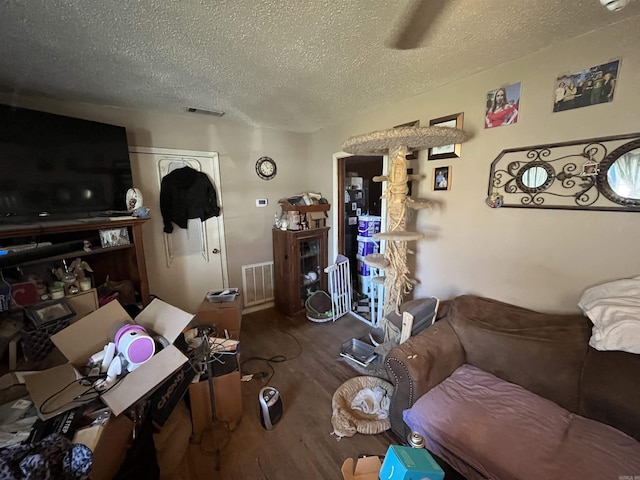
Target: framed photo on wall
(447,151)
(442,178)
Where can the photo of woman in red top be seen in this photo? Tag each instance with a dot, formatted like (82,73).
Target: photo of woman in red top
(500,110)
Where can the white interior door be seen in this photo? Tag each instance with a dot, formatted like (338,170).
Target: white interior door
(184,265)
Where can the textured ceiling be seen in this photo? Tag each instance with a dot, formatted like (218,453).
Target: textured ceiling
(296,65)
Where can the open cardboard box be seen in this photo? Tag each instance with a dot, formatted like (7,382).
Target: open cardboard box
(366,468)
(56,388)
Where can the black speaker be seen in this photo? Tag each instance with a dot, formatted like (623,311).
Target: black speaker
(270,407)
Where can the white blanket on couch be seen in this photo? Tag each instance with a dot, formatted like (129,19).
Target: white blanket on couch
(614,309)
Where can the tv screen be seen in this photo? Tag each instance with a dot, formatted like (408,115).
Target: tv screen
(56,167)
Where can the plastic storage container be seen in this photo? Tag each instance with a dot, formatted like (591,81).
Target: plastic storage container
(226,295)
(363,269)
(367,246)
(368,225)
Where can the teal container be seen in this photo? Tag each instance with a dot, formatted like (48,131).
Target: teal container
(406,463)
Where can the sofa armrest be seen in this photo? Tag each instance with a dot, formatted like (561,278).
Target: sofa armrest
(418,365)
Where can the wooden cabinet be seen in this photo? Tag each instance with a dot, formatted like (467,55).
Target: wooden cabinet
(299,260)
(65,241)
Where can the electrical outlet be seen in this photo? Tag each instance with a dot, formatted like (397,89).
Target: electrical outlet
(261,202)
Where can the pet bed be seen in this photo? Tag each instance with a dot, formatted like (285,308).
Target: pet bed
(347,421)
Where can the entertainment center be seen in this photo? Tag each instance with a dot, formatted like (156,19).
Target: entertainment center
(65,229)
(121,262)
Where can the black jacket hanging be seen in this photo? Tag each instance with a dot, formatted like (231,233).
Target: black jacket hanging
(186,193)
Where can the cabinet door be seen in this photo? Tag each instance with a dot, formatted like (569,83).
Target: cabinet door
(310,266)
(311,262)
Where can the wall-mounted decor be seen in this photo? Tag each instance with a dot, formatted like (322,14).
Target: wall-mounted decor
(442,178)
(590,86)
(266,168)
(114,237)
(447,151)
(503,106)
(411,154)
(593,174)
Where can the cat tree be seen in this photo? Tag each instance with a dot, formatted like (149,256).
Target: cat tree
(396,142)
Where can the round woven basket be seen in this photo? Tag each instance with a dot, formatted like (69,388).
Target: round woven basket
(347,421)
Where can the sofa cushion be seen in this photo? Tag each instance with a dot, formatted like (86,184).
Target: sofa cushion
(502,430)
(540,351)
(610,391)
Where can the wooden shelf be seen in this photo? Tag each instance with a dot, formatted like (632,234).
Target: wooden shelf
(75,254)
(287,207)
(123,262)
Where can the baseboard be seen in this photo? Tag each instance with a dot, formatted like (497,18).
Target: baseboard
(257,308)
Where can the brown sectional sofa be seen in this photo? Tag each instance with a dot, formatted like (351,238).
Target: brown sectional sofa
(501,392)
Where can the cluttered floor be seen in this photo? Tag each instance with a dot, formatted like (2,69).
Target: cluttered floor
(306,368)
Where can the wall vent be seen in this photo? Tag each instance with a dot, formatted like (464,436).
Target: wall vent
(257,283)
(214,113)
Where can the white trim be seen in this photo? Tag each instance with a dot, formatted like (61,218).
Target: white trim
(257,308)
(216,181)
(334,198)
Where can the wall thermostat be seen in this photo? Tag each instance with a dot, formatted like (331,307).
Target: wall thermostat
(261,202)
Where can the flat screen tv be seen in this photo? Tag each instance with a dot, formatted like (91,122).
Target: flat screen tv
(56,167)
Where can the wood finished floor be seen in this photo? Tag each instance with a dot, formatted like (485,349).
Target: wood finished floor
(301,445)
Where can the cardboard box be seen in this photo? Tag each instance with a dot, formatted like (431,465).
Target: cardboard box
(169,393)
(109,444)
(407,463)
(89,335)
(83,303)
(228,402)
(224,315)
(366,468)
(112,448)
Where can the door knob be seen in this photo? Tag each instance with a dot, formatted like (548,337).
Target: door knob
(215,250)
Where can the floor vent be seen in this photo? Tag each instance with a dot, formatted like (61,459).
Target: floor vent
(257,283)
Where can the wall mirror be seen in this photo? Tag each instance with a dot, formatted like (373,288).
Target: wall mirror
(593,174)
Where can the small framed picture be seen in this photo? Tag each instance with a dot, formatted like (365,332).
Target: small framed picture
(415,123)
(442,178)
(114,237)
(447,151)
(52,311)
(503,106)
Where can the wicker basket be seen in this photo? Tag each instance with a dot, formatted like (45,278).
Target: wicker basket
(345,420)
(36,342)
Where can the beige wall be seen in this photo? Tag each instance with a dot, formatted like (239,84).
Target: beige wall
(537,258)
(247,228)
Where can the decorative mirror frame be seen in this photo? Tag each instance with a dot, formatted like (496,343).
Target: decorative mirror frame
(576,175)
(602,182)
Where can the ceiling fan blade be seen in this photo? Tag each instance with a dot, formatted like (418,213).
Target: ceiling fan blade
(414,22)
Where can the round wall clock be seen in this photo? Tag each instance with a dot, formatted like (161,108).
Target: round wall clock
(266,168)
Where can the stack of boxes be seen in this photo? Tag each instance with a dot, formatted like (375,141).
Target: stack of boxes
(227,318)
(368,225)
